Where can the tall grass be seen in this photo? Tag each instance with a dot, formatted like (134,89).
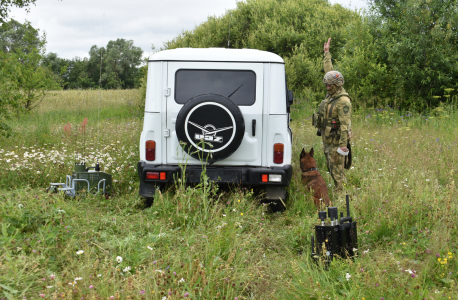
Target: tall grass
(204,242)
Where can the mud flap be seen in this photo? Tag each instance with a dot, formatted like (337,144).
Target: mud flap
(275,193)
(147,190)
(275,196)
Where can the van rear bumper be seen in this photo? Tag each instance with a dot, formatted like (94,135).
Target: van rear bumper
(245,176)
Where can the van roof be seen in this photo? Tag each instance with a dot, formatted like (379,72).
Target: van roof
(217,55)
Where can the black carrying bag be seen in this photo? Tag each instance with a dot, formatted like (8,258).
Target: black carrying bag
(348,159)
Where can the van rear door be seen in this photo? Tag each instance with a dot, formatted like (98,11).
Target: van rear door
(242,83)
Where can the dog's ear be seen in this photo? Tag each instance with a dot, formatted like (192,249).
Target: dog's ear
(311,152)
(302,153)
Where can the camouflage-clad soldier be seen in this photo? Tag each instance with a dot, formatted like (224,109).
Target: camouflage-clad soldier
(333,120)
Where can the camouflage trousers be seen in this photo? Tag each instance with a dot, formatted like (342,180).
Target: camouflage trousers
(335,164)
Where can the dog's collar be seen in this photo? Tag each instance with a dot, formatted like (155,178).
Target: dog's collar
(311,169)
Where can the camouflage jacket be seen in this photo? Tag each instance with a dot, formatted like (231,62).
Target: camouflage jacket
(335,107)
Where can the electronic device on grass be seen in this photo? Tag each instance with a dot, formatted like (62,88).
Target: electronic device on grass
(334,238)
(84,180)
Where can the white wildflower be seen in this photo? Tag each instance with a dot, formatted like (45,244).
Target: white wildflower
(348,276)
(181,280)
(79,252)
(119,259)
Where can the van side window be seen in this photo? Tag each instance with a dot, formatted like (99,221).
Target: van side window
(237,85)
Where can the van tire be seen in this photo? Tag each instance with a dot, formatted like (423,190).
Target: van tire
(202,115)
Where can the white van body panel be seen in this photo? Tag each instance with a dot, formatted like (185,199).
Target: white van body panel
(277,90)
(269,109)
(154,86)
(217,55)
(152,131)
(278,134)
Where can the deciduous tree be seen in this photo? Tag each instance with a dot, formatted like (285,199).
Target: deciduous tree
(5,6)
(23,47)
(417,41)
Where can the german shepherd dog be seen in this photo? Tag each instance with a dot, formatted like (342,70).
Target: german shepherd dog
(313,179)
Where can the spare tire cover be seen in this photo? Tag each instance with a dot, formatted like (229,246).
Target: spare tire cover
(210,127)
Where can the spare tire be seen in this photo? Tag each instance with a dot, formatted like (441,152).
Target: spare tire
(210,126)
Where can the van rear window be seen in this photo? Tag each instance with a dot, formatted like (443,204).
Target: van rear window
(237,85)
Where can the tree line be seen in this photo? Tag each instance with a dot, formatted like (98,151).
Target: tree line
(115,66)
(27,73)
(401,53)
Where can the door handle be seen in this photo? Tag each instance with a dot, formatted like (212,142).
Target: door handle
(253,127)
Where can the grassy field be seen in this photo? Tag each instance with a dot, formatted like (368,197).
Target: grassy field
(207,243)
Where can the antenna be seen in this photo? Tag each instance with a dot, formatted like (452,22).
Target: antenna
(100,88)
(229,37)
(83,129)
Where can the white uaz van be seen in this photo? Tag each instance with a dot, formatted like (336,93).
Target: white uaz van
(226,107)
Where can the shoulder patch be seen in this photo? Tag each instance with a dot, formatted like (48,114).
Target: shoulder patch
(346,109)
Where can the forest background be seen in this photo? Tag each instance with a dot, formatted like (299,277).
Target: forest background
(398,53)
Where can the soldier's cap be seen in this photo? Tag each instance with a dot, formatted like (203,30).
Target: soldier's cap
(334,77)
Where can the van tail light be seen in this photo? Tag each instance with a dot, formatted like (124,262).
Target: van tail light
(278,153)
(156,175)
(150,150)
(271,177)
(152,175)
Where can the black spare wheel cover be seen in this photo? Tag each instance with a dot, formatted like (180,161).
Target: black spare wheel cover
(214,119)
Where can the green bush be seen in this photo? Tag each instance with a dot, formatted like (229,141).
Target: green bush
(293,29)
(400,55)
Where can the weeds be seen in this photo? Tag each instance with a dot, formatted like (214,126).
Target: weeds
(206,242)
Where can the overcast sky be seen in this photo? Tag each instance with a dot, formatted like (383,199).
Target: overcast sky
(73,26)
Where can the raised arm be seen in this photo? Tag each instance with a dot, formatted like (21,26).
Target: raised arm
(327,57)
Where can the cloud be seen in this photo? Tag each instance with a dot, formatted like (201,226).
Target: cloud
(72,27)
